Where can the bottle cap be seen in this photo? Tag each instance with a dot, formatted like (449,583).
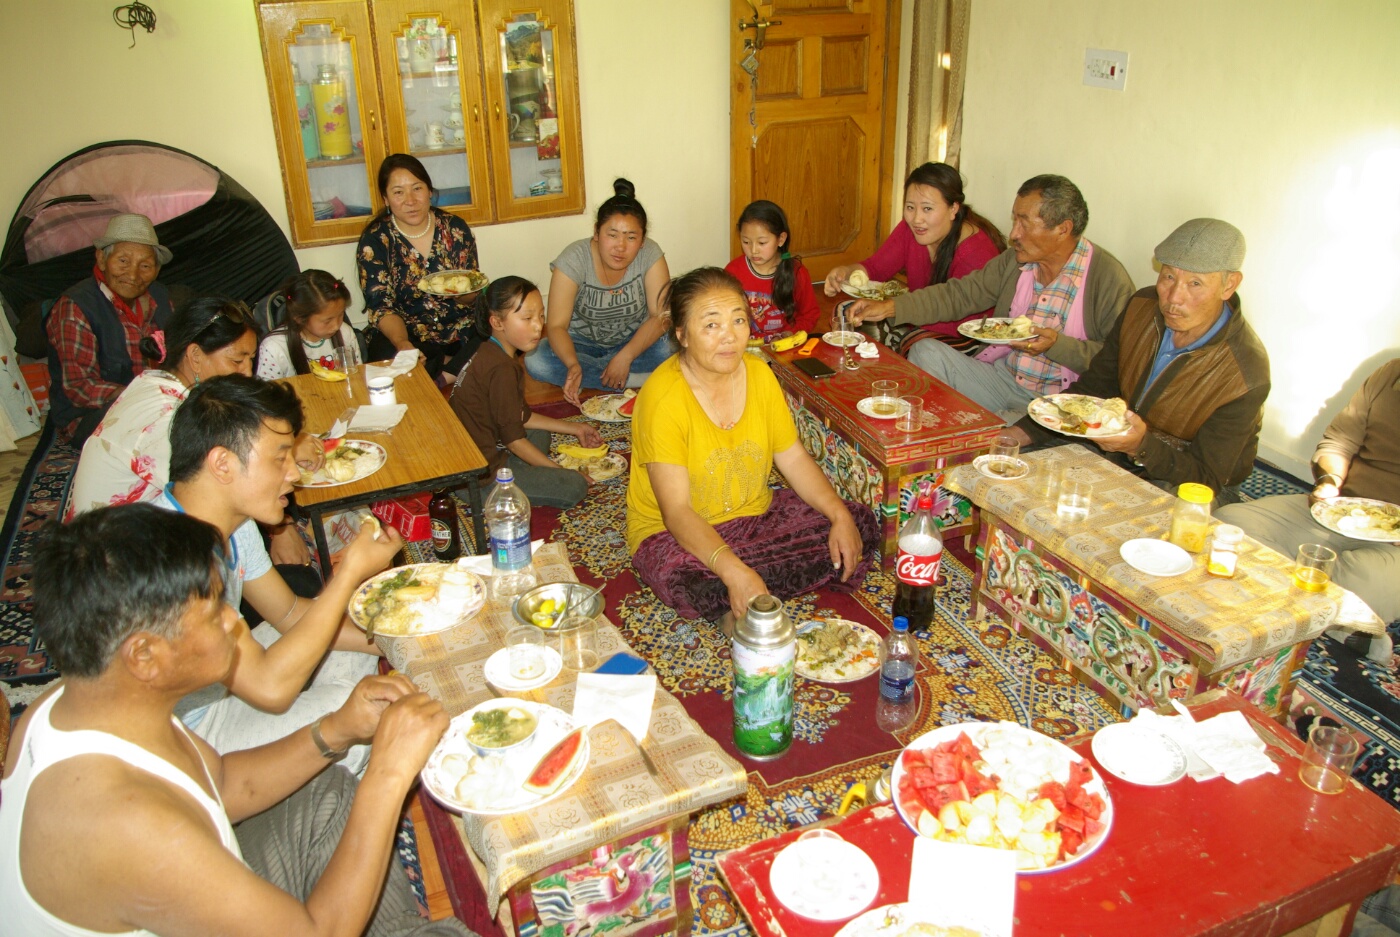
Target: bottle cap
(925,502)
(505,475)
(1228,533)
(1195,493)
(901,623)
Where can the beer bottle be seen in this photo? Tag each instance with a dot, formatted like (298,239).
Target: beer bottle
(442,515)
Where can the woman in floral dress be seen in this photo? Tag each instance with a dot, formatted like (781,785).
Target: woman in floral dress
(405,242)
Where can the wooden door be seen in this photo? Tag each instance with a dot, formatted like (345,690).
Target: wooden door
(327,115)
(433,108)
(821,144)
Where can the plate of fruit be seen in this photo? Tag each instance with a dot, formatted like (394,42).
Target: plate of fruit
(1002,785)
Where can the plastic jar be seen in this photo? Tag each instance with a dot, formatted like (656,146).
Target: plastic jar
(1224,551)
(1191,517)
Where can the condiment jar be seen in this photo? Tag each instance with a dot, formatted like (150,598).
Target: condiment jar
(1224,551)
(1191,517)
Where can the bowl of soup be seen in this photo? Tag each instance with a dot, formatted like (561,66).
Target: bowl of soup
(500,726)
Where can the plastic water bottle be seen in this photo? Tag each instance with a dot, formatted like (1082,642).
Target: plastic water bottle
(898,659)
(508,530)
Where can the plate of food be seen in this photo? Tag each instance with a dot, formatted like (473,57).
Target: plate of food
(600,464)
(822,877)
(1080,414)
(1001,785)
(481,767)
(843,339)
(995,331)
(453,282)
(835,650)
(610,408)
(1360,518)
(901,920)
(861,286)
(418,599)
(348,460)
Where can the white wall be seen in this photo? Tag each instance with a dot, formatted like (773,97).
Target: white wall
(1280,116)
(653,87)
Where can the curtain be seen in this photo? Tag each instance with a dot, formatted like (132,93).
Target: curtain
(937,68)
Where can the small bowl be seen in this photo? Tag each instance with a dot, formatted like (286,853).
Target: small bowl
(488,751)
(529,602)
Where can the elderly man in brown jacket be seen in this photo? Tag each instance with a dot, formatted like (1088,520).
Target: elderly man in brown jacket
(1193,373)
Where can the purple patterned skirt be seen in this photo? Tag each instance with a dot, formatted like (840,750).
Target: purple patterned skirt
(786,545)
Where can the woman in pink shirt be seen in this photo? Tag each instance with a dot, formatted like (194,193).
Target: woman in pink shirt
(941,238)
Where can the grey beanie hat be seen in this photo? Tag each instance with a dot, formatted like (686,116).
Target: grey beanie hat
(1203,245)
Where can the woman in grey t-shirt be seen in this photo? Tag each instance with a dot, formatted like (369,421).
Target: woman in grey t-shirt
(605,326)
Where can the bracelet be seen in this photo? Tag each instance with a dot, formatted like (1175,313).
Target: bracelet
(320,740)
(295,601)
(1336,479)
(718,550)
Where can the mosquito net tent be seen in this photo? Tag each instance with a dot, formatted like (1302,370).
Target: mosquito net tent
(222,240)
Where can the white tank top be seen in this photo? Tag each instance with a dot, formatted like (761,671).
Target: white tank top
(45,746)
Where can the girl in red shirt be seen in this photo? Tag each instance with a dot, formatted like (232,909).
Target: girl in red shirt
(778,286)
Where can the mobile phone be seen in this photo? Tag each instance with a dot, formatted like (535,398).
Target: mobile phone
(623,664)
(814,368)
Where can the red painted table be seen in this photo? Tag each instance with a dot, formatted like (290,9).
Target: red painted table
(868,460)
(1262,858)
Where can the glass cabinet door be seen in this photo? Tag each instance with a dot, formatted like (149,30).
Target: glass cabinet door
(434,113)
(327,116)
(534,95)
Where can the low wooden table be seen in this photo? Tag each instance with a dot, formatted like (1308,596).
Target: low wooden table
(868,460)
(1138,639)
(618,814)
(429,450)
(1264,858)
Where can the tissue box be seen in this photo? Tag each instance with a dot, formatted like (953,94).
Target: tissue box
(409,515)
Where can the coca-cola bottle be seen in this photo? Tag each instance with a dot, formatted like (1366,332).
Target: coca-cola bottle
(916,570)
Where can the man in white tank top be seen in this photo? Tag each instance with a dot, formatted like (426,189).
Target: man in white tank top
(115,819)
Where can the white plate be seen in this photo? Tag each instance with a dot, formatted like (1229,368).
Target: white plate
(372,461)
(878,290)
(497,670)
(604,408)
(604,468)
(857,670)
(843,339)
(970,329)
(867,405)
(435,623)
(1043,411)
(1019,468)
(1156,557)
(824,878)
(1138,755)
(479,279)
(554,724)
(977,732)
(1328,513)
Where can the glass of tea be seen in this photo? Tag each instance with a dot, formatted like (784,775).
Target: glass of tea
(1313,568)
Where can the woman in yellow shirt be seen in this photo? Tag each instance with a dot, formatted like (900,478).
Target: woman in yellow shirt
(705,531)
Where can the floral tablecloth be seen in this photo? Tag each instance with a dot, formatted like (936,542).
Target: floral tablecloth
(617,795)
(1229,620)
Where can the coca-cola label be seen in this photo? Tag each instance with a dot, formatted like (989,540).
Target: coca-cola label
(918,570)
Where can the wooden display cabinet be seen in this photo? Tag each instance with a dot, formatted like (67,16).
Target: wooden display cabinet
(485,93)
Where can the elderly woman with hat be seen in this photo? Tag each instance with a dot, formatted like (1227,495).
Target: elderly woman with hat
(1192,371)
(95,328)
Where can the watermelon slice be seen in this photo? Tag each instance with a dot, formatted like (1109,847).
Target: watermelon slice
(556,765)
(626,408)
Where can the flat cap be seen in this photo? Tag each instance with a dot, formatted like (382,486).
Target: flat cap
(133,229)
(1203,245)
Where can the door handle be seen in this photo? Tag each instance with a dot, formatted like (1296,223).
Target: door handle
(476,113)
(760,27)
(373,120)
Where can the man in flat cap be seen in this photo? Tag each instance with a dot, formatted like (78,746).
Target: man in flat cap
(95,328)
(1193,373)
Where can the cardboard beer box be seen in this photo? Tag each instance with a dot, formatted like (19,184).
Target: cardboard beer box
(407,515)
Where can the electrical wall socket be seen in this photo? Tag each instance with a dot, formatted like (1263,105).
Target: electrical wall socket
(1105,68)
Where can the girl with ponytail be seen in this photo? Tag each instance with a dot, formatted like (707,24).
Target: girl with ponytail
(314,327)
(778,286)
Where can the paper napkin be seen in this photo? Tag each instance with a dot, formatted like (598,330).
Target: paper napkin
(377,419)
(1224,744)
(868,350)
(957,885)
(627,699)
(481,564)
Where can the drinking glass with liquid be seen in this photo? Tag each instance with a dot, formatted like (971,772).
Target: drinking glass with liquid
(1073,502)
(1313,569)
